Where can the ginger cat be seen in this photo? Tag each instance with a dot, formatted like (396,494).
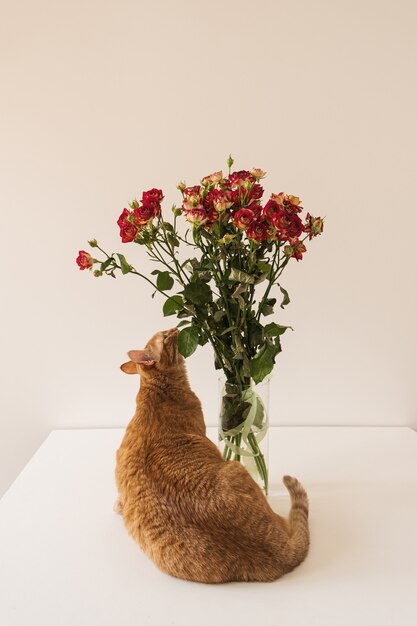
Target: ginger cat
(195,515)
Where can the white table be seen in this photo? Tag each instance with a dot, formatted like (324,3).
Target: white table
(66,559)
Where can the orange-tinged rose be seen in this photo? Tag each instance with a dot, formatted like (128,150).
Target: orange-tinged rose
(84,260)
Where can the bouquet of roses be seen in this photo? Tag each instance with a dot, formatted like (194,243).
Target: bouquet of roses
(225,286)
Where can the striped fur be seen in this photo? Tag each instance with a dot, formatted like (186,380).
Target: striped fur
(197,516)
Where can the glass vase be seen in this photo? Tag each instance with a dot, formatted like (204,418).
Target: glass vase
(243,427)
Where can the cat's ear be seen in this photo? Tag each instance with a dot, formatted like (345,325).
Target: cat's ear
(129,368)
(142,357)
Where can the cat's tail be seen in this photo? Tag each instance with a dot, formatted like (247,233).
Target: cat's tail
(299,536)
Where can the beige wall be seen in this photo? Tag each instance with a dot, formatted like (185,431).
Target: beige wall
(101,100)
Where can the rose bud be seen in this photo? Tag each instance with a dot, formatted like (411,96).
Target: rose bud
(243,218)
(176,211)
(295,251)
(313,226)
(84,260)
(181,185)
(97,273)
(93,243)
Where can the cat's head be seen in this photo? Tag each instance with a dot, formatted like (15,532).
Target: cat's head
(160,354)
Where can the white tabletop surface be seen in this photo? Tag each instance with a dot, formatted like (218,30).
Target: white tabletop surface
(66,559)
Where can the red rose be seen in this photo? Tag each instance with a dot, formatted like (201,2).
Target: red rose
(192,191)
(128,232)
(212,215)
(255,193)
(239,178)
(259,231)
(256,208)
(153,195)
(84,260)
(123,221)
(243,218)
(287,225)
(146,213)
(218,199)
(270,209)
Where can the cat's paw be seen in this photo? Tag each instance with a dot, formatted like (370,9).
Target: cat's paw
(117,507)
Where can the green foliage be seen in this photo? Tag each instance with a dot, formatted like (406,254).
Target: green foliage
(173,304)
(164,280)
(267,307)
(124,265)
(274,330)
(198,293)
(286,299)
(239,276)
(188,341)
(263,363)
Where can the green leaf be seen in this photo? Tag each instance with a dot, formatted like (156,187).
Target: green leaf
(263,363)
(241,277)
(268,306)
(106,264)
(188,341)
(215,229)
(256,333)
(164,281)
(227,330)
(237,294)
(173,240)
(183,323)
(265,268)
(273,330)
(198,293)
(204,276)
(125,267)
(218,315)
(202,339)
(286,299)
(173,304)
